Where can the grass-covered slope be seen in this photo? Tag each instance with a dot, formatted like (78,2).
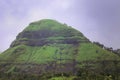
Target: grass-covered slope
(45,24)
(53,52)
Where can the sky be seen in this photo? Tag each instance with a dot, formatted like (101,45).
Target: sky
(98,20)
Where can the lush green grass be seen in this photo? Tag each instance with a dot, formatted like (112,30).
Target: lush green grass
(48,53)
(89,51)
(44,24)
(41,54)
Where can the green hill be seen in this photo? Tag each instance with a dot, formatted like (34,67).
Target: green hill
(49,47)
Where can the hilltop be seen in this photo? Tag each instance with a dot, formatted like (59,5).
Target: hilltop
(49,47)
(48,31)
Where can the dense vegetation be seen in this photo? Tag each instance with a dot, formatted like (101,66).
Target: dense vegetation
(49,50)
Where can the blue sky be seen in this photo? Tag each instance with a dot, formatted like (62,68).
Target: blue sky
(98,20)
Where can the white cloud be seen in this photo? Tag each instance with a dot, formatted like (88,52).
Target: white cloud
(37,14)
(63,4)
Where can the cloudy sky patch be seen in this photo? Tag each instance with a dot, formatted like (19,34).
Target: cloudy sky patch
(98,20)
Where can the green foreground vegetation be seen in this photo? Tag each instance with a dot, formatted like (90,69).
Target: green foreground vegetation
(55,77)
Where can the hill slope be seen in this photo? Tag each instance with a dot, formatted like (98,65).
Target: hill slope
(49,46)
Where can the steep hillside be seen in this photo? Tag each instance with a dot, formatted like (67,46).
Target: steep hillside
(47,46)
(48,32)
